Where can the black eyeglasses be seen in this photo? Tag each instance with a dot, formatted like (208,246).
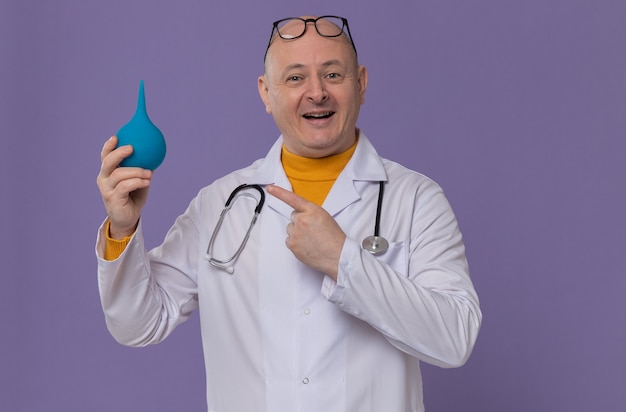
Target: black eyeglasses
(333,26)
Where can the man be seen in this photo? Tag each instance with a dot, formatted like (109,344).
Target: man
(299,315)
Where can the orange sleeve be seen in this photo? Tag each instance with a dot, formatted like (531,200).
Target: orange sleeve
(113,247)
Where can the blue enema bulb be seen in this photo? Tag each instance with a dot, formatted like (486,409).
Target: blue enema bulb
(146,139)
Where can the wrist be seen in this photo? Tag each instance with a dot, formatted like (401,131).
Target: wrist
(115,233)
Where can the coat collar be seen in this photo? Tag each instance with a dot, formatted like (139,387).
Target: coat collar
(364,167)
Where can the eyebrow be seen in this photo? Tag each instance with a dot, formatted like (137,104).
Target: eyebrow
(328,63)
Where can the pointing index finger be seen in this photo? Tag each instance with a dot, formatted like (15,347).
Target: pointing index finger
(298,203)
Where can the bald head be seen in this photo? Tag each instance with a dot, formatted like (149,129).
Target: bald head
(291,30)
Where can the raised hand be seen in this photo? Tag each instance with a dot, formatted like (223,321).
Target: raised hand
(124,190)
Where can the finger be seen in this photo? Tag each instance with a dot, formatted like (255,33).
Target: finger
(122,189)
(108,147)
(134,190)
(129,177)
(113,159)
(125,178)
(298,203)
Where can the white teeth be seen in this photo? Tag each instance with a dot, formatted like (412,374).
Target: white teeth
(318,115)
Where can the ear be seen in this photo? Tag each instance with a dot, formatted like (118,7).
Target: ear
(264,93)
(362,80)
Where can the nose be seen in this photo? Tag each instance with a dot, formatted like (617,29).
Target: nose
(316,93)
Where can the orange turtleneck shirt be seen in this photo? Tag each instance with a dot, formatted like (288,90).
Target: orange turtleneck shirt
(313,178)
(310,178)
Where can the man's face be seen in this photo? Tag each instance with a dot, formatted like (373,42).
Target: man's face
(314,88)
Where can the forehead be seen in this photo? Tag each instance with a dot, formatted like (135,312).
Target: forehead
(310,48)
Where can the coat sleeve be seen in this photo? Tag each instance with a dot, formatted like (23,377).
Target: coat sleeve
(432,311)
(145,295)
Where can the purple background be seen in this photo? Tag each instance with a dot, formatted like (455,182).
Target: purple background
(517,108)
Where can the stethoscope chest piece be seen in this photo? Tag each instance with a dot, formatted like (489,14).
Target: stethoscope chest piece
(376,245)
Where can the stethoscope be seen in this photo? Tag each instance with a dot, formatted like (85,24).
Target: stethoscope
(227,264)
(374,244)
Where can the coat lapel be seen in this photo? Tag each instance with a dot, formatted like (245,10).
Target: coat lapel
(364,166)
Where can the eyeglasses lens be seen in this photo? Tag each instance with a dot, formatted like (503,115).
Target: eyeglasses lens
(325,26)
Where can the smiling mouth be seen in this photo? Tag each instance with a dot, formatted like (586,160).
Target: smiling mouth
(314,116)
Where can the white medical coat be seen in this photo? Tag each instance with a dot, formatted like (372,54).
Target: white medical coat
(279,336)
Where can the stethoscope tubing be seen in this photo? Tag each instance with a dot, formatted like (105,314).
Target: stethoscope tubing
(379,207)
(226,264)
(376,244)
